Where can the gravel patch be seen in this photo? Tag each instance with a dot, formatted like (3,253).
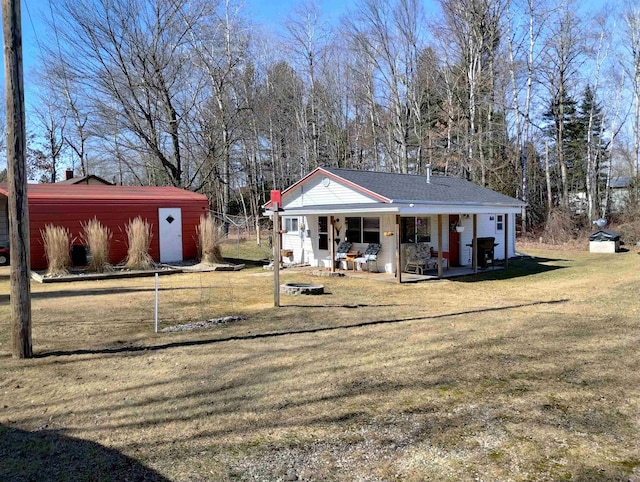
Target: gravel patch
(202,324)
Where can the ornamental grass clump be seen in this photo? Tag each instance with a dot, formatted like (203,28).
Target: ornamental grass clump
(57,245)
(208,240)
(139,238)
(97,237)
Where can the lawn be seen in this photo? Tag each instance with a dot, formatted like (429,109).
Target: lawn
(531,373)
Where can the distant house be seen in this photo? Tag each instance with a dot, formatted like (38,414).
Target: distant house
(396,211)
(89,179)
(618,196)
(173,214)
(619,193)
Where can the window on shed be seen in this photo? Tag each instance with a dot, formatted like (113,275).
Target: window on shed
(499,222)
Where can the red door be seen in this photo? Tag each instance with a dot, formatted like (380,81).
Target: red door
(454,241)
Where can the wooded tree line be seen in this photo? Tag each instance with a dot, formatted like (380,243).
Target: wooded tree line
(534,98)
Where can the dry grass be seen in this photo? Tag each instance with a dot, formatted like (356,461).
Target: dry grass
(139,239)
(57,245)
(208,240)
(97,237)
(526,374)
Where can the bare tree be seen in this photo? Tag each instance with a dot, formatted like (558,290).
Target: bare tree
(133,61)
(631,16)
(388,37)
(563,56)
(51,121)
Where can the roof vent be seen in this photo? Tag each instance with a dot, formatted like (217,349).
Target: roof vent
(428,173)
(68,174)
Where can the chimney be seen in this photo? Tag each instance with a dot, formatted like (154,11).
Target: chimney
(68,174)
(428,173)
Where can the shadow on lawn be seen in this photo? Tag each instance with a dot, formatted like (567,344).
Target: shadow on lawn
(128,349)
(93,292)
(249,263)
(517,268)
(47,455)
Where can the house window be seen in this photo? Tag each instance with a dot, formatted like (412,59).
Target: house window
(363,230)
(323,232)
(290,225)
(423,230)
(499,222)
(415,230)
(370,230)
(354,226)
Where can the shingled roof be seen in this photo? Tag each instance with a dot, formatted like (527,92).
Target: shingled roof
(408,188)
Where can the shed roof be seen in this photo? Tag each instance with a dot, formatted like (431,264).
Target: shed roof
(104,192)
(620,182)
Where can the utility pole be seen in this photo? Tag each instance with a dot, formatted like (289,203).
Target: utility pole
(20,298)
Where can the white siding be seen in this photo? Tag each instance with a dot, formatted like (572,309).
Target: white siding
(304,243)
(315,193)
(300,242)
(4,223)
(486,228)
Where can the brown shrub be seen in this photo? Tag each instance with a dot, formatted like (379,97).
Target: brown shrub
(97,238)
(57,244)
(209,240)
(139,239)
(564,228)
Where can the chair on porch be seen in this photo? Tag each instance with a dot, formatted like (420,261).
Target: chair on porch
(418,259)
(341,252)
(370,256)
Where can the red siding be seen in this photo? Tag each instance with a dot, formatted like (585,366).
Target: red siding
(113,206)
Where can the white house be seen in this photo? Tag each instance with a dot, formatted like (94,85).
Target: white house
(395,210)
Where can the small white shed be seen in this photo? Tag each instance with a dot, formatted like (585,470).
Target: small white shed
(604,241)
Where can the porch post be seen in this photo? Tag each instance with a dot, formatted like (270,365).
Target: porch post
(506,240)
(439,245)
(276,255)
(332,246)
(398,253)
(474,243)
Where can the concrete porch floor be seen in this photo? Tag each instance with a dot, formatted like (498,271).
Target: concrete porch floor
(430,275)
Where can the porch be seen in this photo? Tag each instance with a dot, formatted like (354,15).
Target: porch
(429,275)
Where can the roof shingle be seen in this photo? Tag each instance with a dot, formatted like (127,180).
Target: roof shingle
(412,188)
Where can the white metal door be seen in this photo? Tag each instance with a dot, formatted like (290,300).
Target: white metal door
(170,224)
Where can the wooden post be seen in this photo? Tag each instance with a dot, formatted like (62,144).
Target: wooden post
(18,210)
(332,246)
(506,240)
(474,247)
(276,255)
(439,245)
(398,252)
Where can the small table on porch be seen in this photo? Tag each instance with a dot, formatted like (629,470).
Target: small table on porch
(351,256)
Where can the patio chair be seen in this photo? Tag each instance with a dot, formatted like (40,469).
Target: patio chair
(370,256)
(341,252)
(418,258)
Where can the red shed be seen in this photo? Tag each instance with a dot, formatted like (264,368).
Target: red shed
(173,214)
